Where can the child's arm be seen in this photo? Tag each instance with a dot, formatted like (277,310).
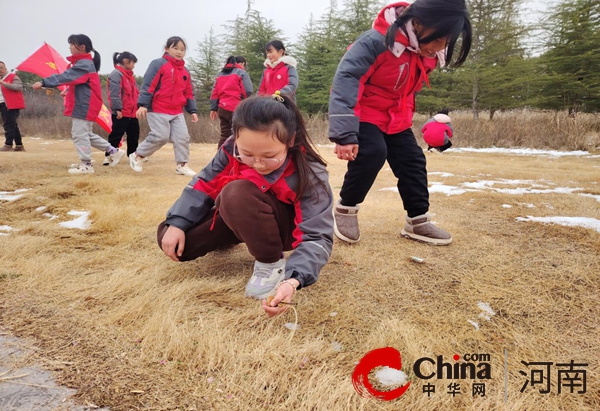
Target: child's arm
(292,85)
(151,81)
(16,85)
(114,89)
(198,197)
(353,71)
(190,106)
(313,234)
(77,74)
(262,87)
(247,83)
(214,96)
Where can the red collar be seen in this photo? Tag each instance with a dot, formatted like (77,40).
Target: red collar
(76,57)
(174,61)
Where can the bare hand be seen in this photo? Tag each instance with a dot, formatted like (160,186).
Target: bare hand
(37,85)
(173,243)
(141,113)
(119,115)
(64,92)
(214,115)
(346,152)
(194,118)
(284,292)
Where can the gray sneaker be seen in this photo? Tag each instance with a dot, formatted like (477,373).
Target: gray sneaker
(265,279)
(345,221)
(420,228)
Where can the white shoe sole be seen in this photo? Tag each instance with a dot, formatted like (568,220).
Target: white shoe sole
(423,239)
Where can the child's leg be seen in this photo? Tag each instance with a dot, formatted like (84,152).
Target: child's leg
(408,164)
(160,129)
(181,139)
(363,170)
(133,135)
(118,129)
(200,239)
(226,118)
(80,134)
(98,142)
(259,219)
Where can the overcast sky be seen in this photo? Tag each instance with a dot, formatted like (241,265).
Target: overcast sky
(141,27)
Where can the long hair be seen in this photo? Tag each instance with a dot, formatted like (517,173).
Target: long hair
(119,57)
(83,40)
(446,18)
(230,61)
(285,123)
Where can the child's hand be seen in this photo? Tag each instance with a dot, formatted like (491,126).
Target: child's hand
(346,152)
(64,92)
(173,243)
(141,113)
(214,115)
(37,85)
(119,115)
(284,293)
(194,118)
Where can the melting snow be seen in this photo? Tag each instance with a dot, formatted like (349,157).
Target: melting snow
(521,151)
(487,313)
(81,222)
(584,222)
(12,195)
(292,326)
(474,324)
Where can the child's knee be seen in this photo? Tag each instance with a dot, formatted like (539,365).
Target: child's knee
(236,194)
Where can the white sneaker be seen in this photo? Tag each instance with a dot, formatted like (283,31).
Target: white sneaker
(82,169)
(145,159)
(135,162)
(115,158)
(106,161)
(184,170)
(265,279)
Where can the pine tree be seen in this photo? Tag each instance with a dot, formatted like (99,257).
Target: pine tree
(205,67)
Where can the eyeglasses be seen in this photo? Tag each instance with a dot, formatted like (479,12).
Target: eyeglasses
(248,160)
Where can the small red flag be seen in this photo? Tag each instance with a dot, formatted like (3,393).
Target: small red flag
(45,62)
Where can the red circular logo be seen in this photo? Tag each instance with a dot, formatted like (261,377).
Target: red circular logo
(381,357)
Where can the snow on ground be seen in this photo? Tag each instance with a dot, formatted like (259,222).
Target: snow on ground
(520,151)
(390,377)
(81,222)
(584,222)
(12,195)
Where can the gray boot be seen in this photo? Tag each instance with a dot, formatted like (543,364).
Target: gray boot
(345,221)
(420,228)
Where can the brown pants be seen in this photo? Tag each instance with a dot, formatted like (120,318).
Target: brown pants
(244,215)
(226,118)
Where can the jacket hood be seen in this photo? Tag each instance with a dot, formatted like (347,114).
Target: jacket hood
(381,25)
(284,59)
(441,118)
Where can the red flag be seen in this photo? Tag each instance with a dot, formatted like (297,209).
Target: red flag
(45,62)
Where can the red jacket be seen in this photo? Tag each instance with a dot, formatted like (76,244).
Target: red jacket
(167,87)
(282,76)
(123,92)
(13,95)
(230,88)
(374,86)
(84,96)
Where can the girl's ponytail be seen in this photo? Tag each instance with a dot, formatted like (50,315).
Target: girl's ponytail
(230,62)
(97,60)
(390,35)
(116,58)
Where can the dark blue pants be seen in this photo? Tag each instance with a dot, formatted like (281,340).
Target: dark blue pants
(11,129)
(406,159)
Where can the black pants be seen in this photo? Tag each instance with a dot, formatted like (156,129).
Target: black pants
(128,125)
(226,118)
(11,129)
(405,158)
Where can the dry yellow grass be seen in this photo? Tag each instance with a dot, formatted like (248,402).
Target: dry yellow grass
(111,314)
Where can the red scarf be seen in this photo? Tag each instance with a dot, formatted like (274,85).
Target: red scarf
(129,79)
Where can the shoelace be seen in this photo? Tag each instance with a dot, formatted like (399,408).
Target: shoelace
(263,272)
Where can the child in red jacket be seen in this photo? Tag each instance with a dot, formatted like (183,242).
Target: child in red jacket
(166,91)
(232,85)
(123,95)
(437,132)
(280,73)
(372,104)
(83,102)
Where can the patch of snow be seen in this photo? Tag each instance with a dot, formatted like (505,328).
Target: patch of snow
(81,223)
(292,326)
(522,152)
(487,313)
(585,222)
(441,174)
(506,206)
(40,209)
(50,216)
(595,197)
(474,324)
(391,377)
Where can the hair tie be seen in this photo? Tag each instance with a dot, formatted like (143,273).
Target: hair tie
(277,96)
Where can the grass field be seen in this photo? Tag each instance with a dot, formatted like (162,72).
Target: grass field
(132,330)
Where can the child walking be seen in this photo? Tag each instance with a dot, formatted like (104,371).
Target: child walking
(83,102)
(372,103)
(267,187)
(166,90)
(280,72)
(11,102)
(123,94)
(232,85)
